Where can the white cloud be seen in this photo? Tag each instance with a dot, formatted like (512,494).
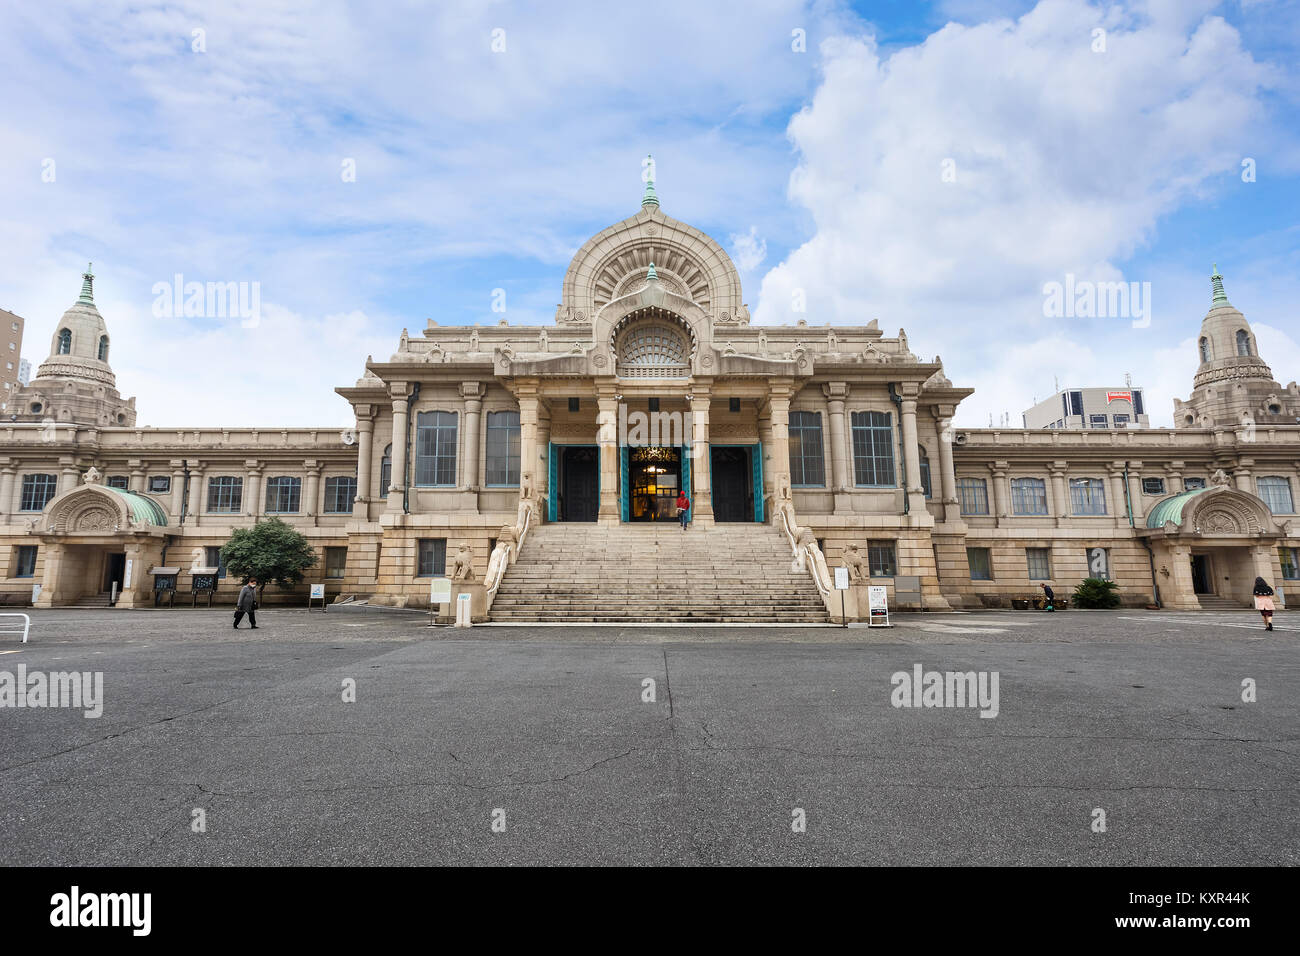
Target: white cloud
(1065,161)
(747,249)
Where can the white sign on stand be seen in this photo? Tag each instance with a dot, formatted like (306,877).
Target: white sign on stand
(842,585)
(463,612)
(317,593)
(126,574)
(439,594)
(878,606)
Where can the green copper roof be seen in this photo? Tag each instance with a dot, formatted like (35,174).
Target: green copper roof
(87,286)
(650,199)
(1171,509)
(1216,280)
(143,510)
(651,275)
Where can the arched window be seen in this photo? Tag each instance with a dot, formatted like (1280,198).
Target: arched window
(103,348)
(1243,342)
(386,470)
(654,351)
(65,342)
(1205,349)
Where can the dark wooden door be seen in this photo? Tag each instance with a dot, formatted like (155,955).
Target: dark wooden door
(731,492)
(580,493)
(1201,574)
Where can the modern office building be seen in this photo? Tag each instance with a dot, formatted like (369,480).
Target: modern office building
(1090,408)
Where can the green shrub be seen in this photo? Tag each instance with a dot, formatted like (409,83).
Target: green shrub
(270,551)
(1096,592)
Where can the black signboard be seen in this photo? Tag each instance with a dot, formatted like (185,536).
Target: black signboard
(204,582)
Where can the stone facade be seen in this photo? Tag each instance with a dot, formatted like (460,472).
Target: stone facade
(468,438)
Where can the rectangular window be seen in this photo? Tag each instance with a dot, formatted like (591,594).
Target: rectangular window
(980,567)
(654,404)
(336,560)
(1290,558)
(1121,421)
(37,491)
(873,449)
(1076,404)
(160,484)
(503,449)
(283,495)
(212,555)
(1276,493)
(733,405)
(1097,421)
(225,494)
(25,561)
(1087,496)
(340,491)
(807,464)
(925,471)
(575,404)
(1028,496)
(973,493)
(1039,562)
(119,482)
(882,559)
(1137,402)
(1193,484)
(1153,486)
(432,558)
(435,449)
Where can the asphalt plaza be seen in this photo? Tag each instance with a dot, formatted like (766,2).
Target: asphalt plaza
(549,733)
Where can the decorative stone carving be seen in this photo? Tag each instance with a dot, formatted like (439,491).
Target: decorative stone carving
(856,563)
(95,519)
(1220,477)
(462,564)
(92,476)
(1219,522)
(198,559)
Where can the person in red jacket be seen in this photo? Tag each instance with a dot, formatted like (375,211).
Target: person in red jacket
(683,507)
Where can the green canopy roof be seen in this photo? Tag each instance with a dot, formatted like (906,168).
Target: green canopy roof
(143,510)
(1171,509)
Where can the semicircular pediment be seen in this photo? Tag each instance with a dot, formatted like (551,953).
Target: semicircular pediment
(1227,512)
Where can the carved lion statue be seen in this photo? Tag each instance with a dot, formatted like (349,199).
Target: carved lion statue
(855,562)
(462,564)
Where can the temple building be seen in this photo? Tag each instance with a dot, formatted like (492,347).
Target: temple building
(538,467)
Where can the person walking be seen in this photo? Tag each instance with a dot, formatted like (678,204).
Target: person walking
(683,507)
(247,603)
(1049,597)
(1264,602)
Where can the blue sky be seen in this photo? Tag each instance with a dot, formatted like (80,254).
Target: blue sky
(479,169)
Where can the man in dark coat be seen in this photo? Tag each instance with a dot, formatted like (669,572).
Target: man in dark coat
(1049,598)
(247,603)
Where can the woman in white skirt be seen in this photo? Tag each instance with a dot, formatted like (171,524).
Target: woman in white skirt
(1264,602)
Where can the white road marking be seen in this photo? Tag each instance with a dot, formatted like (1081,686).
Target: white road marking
(1256,626)
(952,629)
(19,651)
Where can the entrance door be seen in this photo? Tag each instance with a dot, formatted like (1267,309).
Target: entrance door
(579,483)
(114,572)
(654,478)
(733,498)
(1201,574)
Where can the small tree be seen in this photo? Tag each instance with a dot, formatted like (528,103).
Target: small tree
(269,551)
(1096,593)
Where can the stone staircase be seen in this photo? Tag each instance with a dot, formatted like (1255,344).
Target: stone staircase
(1212,602)
(736,573)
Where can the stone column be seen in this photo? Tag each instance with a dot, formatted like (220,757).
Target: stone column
(948,472)
(136,482)
(68,477)
(398,486)
(701,459)
(1263,559)
(472,393)
(1174,477)
(1060,493)
(311,494)
(911,449)
(252,503)
(196,489)
(836,393)
(1135,492)
(1001,489)
(529,412)
(778,404)
(541,465)
(178,488)
(1242,475)
(1120,507)
(7,473)
(365,451)
(607,439)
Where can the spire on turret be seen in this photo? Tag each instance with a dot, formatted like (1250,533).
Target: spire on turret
(1216,281)
(649,198)
(87,286)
